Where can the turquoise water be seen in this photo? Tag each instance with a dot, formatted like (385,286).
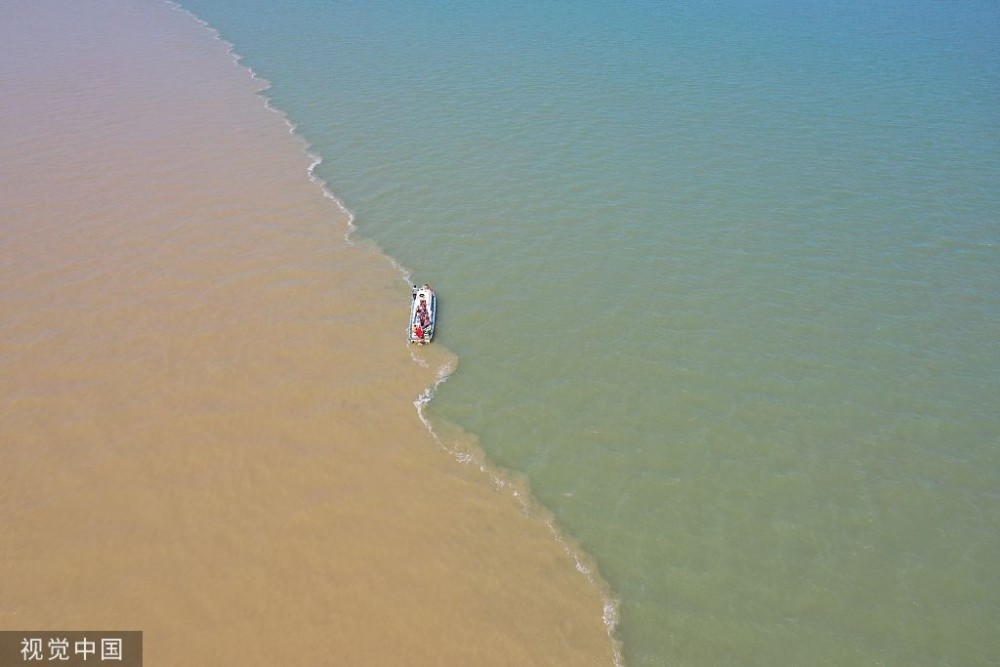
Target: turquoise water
(724,282)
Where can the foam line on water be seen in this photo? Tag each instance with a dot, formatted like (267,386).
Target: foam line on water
(520,492)
(263,86)
(610,611)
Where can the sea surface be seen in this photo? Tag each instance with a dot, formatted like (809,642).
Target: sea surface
(723,282)
(207,408)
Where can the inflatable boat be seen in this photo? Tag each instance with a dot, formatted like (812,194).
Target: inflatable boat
(423,315)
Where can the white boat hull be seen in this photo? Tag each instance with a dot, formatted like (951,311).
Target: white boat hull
(423,315)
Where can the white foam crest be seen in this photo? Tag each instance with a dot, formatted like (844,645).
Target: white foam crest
(464,457)
(443,373)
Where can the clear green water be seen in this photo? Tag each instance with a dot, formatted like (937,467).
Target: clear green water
(725,286)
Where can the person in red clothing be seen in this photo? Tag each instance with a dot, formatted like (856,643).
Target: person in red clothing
(418,332)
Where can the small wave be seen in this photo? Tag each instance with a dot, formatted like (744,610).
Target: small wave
(443,373)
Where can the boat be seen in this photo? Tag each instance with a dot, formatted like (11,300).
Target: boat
(423,315)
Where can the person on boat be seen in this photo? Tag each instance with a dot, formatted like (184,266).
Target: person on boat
(418,332)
